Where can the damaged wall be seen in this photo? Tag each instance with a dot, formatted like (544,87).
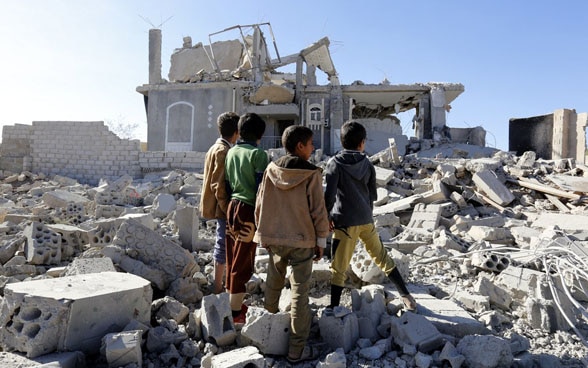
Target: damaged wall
(561,134)
(85,151)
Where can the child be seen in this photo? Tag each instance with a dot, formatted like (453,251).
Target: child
(214,198)
(245,164)
(293,225)
(349,197)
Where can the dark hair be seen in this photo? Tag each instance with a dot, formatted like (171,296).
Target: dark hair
(352,134)
(295,134)
(227,124)
(251,127)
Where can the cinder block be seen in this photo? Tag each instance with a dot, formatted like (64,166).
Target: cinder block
(339,332)
(71,313)
(187,222)
(217,320)
(123,348)
(81,266)
(416,330)
(269,332)
(43,246)
(239,358)
(498,296)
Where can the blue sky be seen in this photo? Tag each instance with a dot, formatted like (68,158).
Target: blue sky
(82,60)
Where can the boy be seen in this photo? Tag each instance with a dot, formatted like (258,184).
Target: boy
(293,225)
(245,164)
(349,197)
(214,198)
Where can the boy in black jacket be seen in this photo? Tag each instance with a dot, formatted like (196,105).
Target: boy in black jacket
(349,197)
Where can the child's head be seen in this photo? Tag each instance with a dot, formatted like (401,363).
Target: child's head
(353,134)
(251,127)
(297,140)
(227,123)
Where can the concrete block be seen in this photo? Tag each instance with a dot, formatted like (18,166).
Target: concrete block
(498,296)
(60,199)
(496,235)
(485,351)
(185,290)
(416,330)
(490,262)
(364,267)
(168,308)
(70,359)
(163,205)
(383,176)
(42,316)
(487,182)
(188,224)
(269,332)
(425,217)
(447,240)
(335,359)
(72,239)
(216,320)
(340,332)
(9,245)
(369,304)
(451,355)
(448,317)
(246,357)
(473,302)
(81,266)
(123,348)
(387,219)
(43,246)
(145,219)
(382,196)
(156,252)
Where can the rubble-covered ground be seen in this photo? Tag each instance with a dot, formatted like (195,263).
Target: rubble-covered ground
(500,238)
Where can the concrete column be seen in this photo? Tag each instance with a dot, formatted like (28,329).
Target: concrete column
(423,128)
(310,75)
(299,67)
(155,56)
(438,103)
(336,119)
(581,122)
(561,131)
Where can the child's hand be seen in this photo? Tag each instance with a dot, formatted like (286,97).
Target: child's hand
(318,253)
(331,226)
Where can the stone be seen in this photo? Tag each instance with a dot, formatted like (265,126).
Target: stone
(269,332)
(485,351)
(123,348)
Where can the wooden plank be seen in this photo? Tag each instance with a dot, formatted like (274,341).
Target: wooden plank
(553,199)
(545,189)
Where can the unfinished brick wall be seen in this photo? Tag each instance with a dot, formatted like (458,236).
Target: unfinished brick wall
(85,151)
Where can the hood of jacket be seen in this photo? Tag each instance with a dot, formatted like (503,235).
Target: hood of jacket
(289,171)
(354,163)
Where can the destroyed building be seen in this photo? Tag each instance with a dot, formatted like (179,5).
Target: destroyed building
(105,263)
(243,75)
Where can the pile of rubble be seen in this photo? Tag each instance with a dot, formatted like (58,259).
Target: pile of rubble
(495,250)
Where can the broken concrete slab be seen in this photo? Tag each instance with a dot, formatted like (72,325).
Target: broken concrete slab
(123,348)
(246,357)
(42,316)
(216,320)
(487,182)
(269,332)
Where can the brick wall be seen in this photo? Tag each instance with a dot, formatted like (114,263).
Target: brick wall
(85,151)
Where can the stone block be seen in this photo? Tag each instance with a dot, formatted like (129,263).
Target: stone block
(9,245)
(269,332)
(416,330)
(485,351)
(246,357)
(42,316)
(383,176)
(369,304)
(168,308)
(364,266)
(72,239)
(43,246)
(187,221)
(382,196)
(81,266)
(70,359)
(473,302)
(339,332)
(450,354)
(487,182)
(216,320)
(60,199)
(448,317)
(155,251)
(490,262)
(387,219)
(498,296)
(425,217)
(163,205)
(123,348)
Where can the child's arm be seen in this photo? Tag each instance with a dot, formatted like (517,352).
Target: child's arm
(372,187)
(331,179)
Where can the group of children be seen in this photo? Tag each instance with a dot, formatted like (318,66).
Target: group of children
(282,207)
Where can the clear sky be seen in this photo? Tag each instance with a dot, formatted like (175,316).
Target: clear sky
(82,60)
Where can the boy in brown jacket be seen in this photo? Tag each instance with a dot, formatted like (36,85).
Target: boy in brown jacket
(214,198)
(292,223)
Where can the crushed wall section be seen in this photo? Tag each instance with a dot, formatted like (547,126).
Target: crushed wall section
(85,151)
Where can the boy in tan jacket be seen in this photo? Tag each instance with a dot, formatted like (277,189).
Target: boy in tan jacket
(292,223)
(214,198)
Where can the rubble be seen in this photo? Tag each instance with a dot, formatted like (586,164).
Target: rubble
(497,267)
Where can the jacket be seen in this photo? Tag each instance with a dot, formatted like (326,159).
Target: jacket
(214,198)
(351,189)
(290,208)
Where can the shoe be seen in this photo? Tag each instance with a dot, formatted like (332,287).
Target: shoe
(409,303)
(308,353)
(240,319)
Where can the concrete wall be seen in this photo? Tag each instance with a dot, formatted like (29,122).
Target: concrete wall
(85,151)
(188,116)
(531,134)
